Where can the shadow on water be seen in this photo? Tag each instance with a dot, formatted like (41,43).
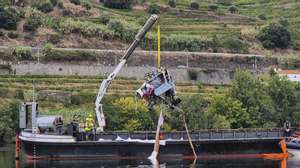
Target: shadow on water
(7,161)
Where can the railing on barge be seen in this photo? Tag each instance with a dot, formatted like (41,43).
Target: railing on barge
(229,134)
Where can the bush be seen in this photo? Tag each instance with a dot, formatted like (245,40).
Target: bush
(116,26)
(172,3)
(153,9)
(233,9)
(2,34)
(76,2)
(32,24)
(262,17)
(85,28)
(213,7)
(54,2)
(193,74)
(86,4)
(235,45)
(104,19)
(60,5)
(275,36)
(12,35)
(224,2)
(118,4)
(194,5)
(21,52)
(47,49)
(43,5)
(9,18)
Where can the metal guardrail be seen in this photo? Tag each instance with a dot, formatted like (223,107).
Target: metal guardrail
(199,135)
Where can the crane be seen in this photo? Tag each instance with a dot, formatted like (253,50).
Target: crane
(106,82)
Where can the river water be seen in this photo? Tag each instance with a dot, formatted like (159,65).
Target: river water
(7,161)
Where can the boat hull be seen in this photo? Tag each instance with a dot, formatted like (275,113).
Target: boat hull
(126,150)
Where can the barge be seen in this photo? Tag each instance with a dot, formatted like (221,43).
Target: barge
(211,144)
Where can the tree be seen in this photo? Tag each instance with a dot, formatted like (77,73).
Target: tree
(43,5)
(195,5)
(232,110)
(253,95)
(284,96)
(275,36)
(153,9)
(233,9)
(8,18)
(213,7)
(172,3)
(9,119)
(134,114)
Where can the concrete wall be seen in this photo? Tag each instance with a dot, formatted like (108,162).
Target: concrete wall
(214,76)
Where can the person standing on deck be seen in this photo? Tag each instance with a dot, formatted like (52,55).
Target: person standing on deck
(89,126)
(59,125)
(287,128)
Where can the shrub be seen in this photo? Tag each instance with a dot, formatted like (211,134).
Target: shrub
(172,3)
(213,7)
(47,49)
(233,9)
(194,5)
(118,4)
(19,94)
(21,52)
(76,2)
(235,45)
(2,34)
(12,35)
(85,28)
(116,26)
(274,36)
(262,17)
(224,2)
(8,18)
(60,5)
(54,2)
(86,4)
(193,74)
(104,19)
(283,21)
(43,5)
(32,24)
(153,9)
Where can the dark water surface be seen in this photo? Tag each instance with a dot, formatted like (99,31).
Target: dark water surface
(7,161)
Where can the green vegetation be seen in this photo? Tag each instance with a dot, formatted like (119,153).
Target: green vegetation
(249,102)
(275,36)
(118,4)
(8,18)
(43,5)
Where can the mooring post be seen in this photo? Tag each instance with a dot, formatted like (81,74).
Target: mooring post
(17,152)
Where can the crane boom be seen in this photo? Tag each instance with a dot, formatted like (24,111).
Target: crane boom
(106,82)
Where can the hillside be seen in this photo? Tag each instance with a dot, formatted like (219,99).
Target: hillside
(217,26)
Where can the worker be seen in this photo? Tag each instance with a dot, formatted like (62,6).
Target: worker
(287,128)
(89,126)
(59,125)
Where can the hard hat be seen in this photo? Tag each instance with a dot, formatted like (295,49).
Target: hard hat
(90,115)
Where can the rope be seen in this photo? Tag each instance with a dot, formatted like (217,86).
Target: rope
(185,125)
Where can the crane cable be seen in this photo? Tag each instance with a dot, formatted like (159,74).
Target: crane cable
(177,108)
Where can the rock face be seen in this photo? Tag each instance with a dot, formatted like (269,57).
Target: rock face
(55,95)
